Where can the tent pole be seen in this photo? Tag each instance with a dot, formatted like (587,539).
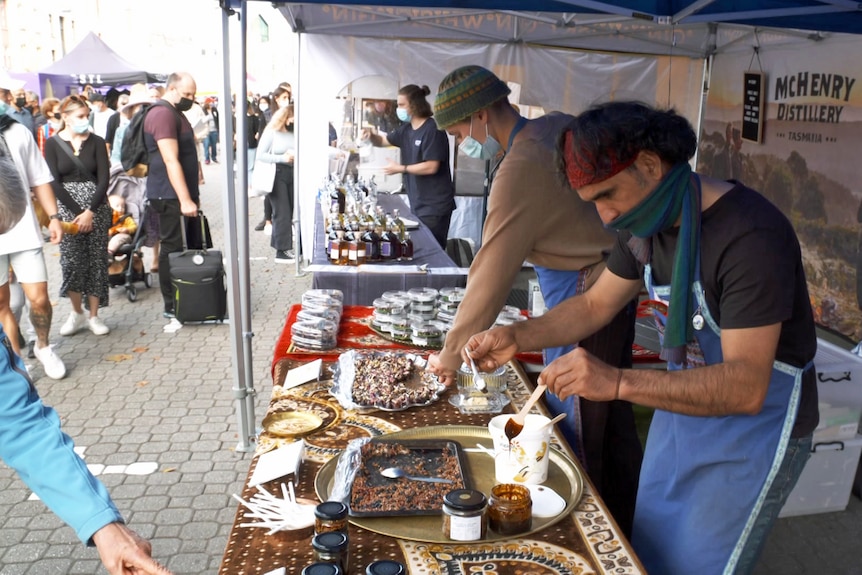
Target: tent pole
(297,230)
(241,203)
(230,236)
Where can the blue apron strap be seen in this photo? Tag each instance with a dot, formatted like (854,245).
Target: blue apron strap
(522,121)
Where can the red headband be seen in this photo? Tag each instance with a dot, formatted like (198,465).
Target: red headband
(582,167)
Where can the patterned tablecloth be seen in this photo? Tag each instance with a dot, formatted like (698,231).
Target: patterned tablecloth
(587,541)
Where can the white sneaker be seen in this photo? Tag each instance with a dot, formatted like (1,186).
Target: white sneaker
(75,323)
(267,229)
(97,326)
(51,362)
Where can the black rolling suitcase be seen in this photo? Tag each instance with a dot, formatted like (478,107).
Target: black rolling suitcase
(198,278)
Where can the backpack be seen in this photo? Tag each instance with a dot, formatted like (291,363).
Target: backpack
(134,154)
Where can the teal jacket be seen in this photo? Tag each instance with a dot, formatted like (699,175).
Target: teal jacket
(32,443)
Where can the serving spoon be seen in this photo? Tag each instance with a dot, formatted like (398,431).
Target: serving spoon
(515,424)
(478,380)
(396,472)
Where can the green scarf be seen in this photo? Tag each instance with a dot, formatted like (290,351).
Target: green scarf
(678,192)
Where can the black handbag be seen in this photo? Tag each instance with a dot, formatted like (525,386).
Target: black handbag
(198,235)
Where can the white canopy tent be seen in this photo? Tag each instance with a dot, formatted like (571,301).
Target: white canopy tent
(659,53)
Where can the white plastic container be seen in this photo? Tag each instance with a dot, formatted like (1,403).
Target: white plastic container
(839,390)
(825,483)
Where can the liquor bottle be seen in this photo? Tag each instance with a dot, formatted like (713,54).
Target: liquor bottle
(356,245)
(390,244)
(407,247)
(396,219)
(336,243)
(372,243)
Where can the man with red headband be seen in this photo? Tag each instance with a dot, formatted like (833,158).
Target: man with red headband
(533,216)
(737,407)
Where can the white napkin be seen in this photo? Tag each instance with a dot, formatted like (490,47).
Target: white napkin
(277,463)
(307,372)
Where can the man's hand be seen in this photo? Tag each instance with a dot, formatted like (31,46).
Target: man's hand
(124,552)
(580,373)
(392,168)
(189,208)
(491,349)
(445,375)
(55,228)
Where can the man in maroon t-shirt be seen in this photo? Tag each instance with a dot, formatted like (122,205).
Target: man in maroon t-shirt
(172,181)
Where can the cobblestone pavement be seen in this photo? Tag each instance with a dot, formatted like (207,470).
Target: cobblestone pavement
(143,396)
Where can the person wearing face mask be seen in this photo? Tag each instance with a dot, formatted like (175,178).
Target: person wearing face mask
(282,96)
(424,160)
(16,101)
(78,160)
(51,110)
(533,216)
(172,180)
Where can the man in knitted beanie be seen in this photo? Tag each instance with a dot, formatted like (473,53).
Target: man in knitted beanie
(534,216)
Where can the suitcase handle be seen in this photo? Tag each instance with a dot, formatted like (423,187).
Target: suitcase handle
(201,219)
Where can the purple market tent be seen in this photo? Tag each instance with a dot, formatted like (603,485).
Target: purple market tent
(92,62)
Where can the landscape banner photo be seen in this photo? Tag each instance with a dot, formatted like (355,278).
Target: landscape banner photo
(808,163)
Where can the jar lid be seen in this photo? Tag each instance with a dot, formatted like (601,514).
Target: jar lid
(322,569)
(385,567)
(423,294)
(465,499)
(331,510)
(332,541)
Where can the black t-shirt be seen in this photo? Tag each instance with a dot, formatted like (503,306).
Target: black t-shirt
(432,195)
(752,274)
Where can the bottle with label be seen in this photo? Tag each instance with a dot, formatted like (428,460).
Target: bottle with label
(390,245)
(399,223)
(407,247)
(372,243)
(336,239)
(356,251)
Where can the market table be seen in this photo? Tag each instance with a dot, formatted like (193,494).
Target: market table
(361,287)
(585,541)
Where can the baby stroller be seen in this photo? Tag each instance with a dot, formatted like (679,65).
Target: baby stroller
(127,264)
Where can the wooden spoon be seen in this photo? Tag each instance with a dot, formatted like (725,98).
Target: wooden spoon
(515,425)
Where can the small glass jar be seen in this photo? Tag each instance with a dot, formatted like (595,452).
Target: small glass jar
(385,567)
(330,516)
(464,517)
(331,548)
(510,509)
(322,569)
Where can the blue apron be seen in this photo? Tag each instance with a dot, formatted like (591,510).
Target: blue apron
(557,286)
(704,479)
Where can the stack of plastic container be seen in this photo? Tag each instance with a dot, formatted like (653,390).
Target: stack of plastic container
(316,325)
(420,316)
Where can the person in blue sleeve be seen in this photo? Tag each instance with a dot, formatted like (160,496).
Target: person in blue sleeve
(32,443)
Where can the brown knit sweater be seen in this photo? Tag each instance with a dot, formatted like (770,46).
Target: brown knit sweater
(532,216)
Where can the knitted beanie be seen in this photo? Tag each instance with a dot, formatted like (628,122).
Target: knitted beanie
(466,91)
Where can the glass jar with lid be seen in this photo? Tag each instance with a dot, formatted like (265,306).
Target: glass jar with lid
(385,567)
(331,547)
(464,517)
(322,569)
(330,516)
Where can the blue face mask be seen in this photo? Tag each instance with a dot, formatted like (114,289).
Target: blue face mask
(3,107)
(81,126)
(402,114)
(473,149)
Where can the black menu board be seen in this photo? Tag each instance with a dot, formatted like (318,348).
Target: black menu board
(753,110)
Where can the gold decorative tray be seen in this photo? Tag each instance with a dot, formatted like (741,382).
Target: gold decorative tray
(564,477)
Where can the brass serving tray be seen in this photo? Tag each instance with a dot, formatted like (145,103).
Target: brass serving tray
(564,477)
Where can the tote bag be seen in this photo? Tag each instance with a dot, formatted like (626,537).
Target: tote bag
(262,178)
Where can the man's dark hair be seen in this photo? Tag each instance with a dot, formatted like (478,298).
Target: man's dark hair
(613,133)
(416,100)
